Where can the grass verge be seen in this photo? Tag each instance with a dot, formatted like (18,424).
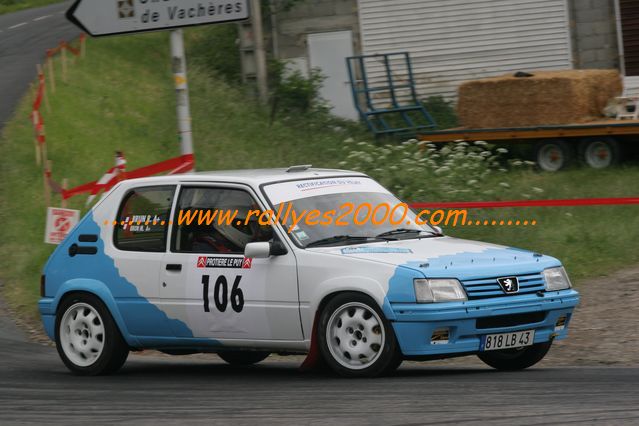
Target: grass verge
(121,98)
(8,6)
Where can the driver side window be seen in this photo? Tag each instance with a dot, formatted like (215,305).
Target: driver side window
(216,220)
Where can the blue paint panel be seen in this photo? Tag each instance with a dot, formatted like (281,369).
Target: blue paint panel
(414,323)
(134,314)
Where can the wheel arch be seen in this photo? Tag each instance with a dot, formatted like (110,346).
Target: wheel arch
(102,292)
(313,356)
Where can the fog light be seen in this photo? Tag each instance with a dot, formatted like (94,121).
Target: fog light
(439,337)
(561,323)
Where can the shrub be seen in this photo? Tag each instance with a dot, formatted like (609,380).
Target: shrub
(421,171)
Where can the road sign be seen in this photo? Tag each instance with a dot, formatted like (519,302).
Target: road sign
(59,223)
(108,17)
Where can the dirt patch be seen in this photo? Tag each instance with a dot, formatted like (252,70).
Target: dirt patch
(603,329)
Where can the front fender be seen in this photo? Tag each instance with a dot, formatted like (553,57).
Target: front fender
(365,285)
(49,306)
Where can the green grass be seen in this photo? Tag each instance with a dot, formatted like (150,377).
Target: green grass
(8,6)
(121,98)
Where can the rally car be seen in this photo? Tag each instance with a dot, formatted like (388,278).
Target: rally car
(361,295)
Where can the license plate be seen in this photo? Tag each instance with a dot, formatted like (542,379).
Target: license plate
(517,339)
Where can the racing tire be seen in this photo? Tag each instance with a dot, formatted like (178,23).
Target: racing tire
(355,339)
(516,359)
(87,338)
(239,358)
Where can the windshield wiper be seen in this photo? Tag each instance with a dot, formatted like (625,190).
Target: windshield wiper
(344,238)
(400,231)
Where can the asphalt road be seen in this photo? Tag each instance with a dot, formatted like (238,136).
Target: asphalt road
(36,388)
(24,38)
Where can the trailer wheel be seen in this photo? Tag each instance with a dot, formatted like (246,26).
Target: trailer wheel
(599,152)
(553,155)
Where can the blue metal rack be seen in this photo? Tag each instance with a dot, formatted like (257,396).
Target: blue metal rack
(388,104)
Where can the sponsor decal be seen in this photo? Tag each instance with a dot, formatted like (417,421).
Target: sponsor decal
(224,262)
(509,284)
(356,250)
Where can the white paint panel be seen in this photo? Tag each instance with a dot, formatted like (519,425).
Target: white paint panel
(451,41)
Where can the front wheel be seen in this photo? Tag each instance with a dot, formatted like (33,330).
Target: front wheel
(516,359)
(355,339)
(87,338)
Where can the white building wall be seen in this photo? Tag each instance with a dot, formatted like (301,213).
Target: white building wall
(451,41)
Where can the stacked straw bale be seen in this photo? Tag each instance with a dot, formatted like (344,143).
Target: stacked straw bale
(546,98)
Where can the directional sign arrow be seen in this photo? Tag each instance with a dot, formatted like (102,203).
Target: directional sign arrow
(108,17)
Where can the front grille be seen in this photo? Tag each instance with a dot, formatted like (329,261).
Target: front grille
(489,287)
(513,320)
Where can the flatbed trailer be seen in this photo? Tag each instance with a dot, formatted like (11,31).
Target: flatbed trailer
(598,144)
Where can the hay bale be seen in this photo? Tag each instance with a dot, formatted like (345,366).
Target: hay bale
(546,98)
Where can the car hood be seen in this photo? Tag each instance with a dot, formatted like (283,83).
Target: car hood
(449,257)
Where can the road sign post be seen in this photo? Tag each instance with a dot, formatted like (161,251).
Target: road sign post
(109,17)
(182,92)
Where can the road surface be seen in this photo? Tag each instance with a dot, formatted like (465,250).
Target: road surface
(36,388)
(24,38)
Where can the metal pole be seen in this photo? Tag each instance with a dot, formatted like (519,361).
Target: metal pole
(260,55)
(182,92)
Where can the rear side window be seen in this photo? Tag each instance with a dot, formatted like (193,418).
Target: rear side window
(143,219)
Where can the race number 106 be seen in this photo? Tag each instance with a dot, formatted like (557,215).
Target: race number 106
(221,296)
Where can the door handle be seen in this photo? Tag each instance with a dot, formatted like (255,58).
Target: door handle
(174,267)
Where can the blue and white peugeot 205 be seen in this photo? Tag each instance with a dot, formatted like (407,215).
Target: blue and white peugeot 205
(361,296)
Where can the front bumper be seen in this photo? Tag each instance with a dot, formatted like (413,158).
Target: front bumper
(468,321)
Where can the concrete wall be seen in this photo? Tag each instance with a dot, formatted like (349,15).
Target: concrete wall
(314,16)
(594,34)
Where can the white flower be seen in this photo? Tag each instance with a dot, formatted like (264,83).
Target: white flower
(538,190)
(504,185)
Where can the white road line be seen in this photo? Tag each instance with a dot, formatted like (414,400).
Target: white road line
(17,25)
(40,18)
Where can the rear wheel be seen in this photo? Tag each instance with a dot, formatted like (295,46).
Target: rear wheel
(599,152)
(355,339)
(553,155)
(516,359)
(87,338)
(243,357)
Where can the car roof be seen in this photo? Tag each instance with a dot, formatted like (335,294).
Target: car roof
(253,177)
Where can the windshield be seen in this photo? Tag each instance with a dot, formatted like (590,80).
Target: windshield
(341,211)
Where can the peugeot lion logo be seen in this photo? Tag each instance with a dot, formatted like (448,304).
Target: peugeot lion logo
(509,284)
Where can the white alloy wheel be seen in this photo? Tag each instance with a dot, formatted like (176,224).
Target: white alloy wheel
(82,334)
(355,335)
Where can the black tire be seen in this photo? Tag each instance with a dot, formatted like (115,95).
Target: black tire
(516,359)
(552,155)
(387,357)
(599,152)
(115,350)
(243,357)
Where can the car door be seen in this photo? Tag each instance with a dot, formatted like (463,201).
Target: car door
(211,286)
(139,242)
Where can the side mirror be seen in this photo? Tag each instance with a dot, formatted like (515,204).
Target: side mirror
(264,250)
(438,229)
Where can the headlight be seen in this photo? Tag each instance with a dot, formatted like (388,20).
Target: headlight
(556,279)
(439,290)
